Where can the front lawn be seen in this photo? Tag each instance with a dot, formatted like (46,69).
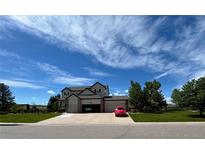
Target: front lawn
(172,116)
(26,117)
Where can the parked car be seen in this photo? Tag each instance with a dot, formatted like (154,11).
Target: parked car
(120,111)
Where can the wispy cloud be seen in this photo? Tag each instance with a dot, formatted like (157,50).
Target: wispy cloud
(95,72)
(20,84)
(6,54)
(61,77)
(166,45)
(104,37)
(26,68)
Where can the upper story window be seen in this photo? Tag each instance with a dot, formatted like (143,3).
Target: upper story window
(99,90)
(66,93)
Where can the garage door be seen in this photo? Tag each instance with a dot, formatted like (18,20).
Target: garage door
(111,105)
(93,108)
(73,108)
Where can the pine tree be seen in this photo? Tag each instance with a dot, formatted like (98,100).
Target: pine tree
(6,98)
(153,97)
(136,96)
(52,104)
(176,97)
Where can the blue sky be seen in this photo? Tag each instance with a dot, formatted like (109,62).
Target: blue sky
(40,55)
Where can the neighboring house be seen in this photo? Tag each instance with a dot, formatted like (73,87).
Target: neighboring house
(93,98)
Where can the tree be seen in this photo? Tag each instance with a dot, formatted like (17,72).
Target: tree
(153,97)
(6,98)
(200,95)
(150,99)
(52,103)
(136,95)
(177,97)
(189,93)
(192,94)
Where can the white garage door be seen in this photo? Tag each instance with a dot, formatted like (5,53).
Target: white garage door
(111,105)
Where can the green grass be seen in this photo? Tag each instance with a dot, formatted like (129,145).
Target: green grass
(26,117)
(172,116)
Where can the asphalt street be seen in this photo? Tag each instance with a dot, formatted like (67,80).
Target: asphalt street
(133,131)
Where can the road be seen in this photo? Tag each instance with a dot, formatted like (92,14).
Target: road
(132,131)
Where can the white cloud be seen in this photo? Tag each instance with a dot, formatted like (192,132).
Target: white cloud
(72,80)
(98,36)
(95,72)
(20,84)
(51,92)
(120,93)
(4,53)
(107,38)
(168,100)
(61,77)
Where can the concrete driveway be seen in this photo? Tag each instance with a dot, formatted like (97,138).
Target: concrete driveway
(87,118)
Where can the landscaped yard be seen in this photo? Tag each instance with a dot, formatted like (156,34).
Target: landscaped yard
(172,116)
(26,117)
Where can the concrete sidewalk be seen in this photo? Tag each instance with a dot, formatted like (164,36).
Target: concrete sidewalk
(87,118)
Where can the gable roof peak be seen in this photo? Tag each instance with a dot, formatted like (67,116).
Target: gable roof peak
(87,89)
(98,83)
(65,89)
(73,95)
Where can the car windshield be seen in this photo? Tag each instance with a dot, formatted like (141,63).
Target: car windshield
(120,108)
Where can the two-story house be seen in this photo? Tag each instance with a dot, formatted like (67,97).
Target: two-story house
(94,98)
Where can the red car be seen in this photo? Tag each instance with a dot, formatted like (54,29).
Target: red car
(120,111)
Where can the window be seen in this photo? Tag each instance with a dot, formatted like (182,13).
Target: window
(99,90)
(95,90)
(64,93)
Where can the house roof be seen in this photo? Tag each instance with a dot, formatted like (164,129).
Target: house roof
(116,98)
(78,88)
(89,96)
(82,88)
(72,95)
(100,84)
(65,88)
(87,89)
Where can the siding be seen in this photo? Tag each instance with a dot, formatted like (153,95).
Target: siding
(91,101)
(73,104)
(111,105)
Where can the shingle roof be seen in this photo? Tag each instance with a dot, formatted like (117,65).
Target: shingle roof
(78,88)
(89,96)
(116,98)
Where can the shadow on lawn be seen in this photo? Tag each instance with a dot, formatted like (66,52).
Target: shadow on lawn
(197,116)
